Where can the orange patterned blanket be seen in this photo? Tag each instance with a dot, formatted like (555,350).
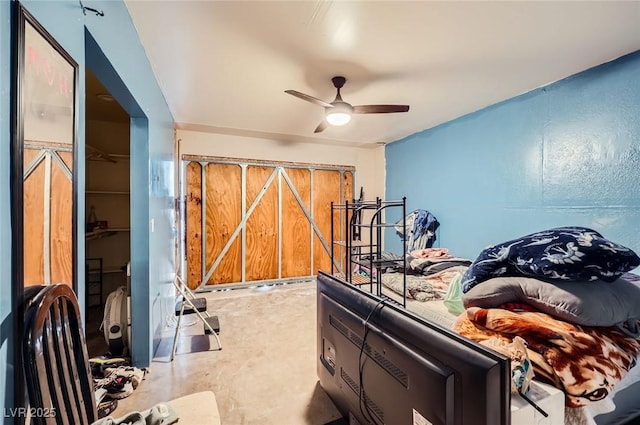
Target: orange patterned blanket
(585,362)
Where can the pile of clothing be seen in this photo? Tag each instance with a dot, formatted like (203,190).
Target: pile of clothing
(418,229)
(429,274)
(113,379)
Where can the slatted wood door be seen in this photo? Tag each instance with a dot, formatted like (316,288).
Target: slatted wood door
(48,203)
(248,221)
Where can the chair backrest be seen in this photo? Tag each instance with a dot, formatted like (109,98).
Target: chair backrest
(57,371)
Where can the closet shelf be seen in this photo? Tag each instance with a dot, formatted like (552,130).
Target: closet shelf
(107,270)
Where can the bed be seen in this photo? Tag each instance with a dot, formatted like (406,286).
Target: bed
(515,293)
(427,274)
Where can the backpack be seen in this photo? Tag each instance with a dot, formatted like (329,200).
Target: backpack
(116,323)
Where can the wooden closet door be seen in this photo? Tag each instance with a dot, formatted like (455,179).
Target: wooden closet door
(193,225)
(262,221)
(296,227)
(262,225)
(326,189)
(222,218)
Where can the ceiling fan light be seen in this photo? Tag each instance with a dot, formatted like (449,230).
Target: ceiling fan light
(338,117)
(340,114)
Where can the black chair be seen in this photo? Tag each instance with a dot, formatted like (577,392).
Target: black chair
(58,376)
(57,373)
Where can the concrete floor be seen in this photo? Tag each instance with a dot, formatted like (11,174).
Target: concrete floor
(266,372)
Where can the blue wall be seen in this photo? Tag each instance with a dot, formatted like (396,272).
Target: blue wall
(110,46)
(564,154)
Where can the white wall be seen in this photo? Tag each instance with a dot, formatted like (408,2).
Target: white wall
(369,161)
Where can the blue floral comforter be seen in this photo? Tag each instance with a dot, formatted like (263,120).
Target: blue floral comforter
(563,253)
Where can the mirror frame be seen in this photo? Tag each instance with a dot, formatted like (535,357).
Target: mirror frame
(21,18)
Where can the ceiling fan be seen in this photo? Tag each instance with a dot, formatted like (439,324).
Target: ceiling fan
(339,112)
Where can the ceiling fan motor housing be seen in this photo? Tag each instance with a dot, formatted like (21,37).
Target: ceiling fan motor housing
(338,81)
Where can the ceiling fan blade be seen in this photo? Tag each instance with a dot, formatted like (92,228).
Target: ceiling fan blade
(379,109)
(321,127)
(309,98)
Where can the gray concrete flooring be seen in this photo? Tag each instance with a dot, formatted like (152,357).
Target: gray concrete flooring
(266,372)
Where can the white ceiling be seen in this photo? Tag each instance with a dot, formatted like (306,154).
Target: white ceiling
(223,66)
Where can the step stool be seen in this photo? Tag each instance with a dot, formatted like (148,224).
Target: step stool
(213,323)
(200,304)
(192,305)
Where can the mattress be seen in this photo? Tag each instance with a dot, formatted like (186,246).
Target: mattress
(434,311)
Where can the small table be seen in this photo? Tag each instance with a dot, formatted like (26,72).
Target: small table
(548,398)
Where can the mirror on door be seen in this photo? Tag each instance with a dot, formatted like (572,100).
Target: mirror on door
(44,95)
(44,158)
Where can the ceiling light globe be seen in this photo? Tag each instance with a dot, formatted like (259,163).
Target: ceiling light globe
(340,114)
(338,118)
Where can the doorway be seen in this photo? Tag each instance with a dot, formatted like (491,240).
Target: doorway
(107,218)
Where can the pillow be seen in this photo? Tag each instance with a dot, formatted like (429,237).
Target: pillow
(563,253)
(593,303)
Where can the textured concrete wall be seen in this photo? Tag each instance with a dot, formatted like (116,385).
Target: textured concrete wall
(564,154)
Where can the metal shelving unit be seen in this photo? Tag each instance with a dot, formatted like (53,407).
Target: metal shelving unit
(94,280)
(357,253)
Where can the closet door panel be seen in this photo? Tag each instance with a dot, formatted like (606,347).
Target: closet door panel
(326,188)
(223,206)
(296,228)
(193,225)
(262,226)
